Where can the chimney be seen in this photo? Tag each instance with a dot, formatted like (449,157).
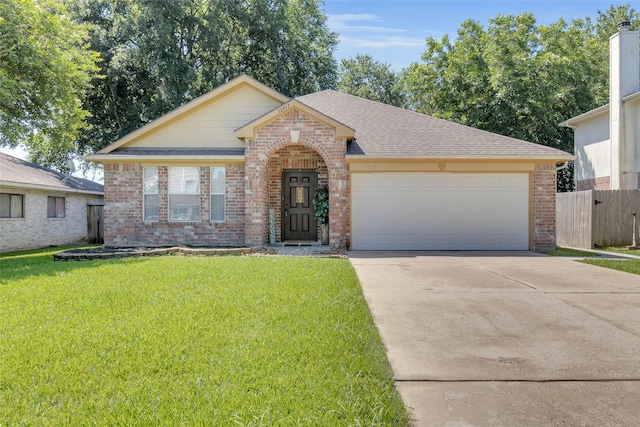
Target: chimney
(624,80)
(624,25)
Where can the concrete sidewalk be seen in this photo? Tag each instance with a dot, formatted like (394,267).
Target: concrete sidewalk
(507,338)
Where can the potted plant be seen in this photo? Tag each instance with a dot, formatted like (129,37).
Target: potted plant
(321,206)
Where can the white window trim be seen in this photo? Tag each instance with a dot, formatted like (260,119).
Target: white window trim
(144,194)
(223,193)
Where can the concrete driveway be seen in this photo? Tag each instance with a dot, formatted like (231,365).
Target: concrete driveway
(507,338)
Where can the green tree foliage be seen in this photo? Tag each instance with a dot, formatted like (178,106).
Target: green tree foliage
(159,54)
(45,71)
(366,78)
(516,78)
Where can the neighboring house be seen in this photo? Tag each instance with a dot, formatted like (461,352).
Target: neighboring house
(40,207)
(210,172)
(607,139)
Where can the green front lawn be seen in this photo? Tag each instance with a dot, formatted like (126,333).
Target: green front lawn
(622,250)
(570,253)
(628,265)
(242,341)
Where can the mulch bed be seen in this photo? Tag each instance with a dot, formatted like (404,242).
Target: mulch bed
(109,252)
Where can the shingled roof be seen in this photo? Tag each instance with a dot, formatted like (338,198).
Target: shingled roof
(16,172)
(386,131)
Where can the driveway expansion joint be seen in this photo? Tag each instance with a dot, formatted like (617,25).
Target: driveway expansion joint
(488,270)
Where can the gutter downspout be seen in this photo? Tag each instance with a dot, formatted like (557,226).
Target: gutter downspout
(562,166)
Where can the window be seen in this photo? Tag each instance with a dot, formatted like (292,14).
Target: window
(150,195)
(217,194)
(11,205)
(55,207)
(184,194)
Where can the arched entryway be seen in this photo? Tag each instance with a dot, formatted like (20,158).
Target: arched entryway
(294,141)
(295,171)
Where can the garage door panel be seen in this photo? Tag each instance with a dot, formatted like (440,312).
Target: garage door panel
(439,211)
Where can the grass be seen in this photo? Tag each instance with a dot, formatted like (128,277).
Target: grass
(622,250)
(629,265)
(242,341)
(570,253)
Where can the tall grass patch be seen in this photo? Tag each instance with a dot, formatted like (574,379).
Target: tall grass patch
(190,341)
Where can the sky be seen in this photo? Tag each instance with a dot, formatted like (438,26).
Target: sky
(394,31)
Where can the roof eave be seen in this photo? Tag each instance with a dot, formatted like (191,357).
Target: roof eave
(362,158)
(123,158)
(11,184)
(248,130)
(631,97)
(571,123)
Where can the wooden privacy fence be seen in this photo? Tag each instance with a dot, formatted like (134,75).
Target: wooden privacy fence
(95,222)
(589,219)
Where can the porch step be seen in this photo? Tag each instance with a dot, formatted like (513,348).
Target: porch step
(300,243)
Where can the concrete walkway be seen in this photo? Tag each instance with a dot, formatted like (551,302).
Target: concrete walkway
(507,338)
(298,250)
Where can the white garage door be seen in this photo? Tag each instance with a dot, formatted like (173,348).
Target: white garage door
(440,211)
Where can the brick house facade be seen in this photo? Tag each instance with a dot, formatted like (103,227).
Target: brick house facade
(331,137)
(40,207)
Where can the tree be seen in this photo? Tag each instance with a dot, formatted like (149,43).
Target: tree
(158,55)
(366,78)
(516,78)
(45,72)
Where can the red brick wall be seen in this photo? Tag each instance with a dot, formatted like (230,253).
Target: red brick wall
(544,207)
(600,183)
(266,154)
(123,225)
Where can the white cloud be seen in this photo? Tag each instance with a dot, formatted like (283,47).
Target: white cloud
(355,31)
(381,42)
(344,23)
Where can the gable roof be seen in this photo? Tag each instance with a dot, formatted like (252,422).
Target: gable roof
(374,129)
(190,106)
(248,130)
(391,132)
(19,173)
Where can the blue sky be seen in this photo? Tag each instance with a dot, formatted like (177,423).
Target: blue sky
(394,31)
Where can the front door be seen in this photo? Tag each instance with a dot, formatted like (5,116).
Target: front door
(298,221)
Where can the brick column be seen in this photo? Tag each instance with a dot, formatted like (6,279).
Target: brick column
(544,207)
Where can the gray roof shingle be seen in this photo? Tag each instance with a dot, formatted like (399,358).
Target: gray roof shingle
(386,131)
(17,172)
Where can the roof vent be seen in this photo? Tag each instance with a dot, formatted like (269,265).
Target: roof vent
(624,25)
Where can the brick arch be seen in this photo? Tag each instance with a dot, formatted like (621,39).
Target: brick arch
(271,139)
(284,143)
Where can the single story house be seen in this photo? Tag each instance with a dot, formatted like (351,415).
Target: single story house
(40,207)
(607,139)
(213,171)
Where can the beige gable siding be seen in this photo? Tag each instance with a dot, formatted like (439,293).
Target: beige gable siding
(212,125)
